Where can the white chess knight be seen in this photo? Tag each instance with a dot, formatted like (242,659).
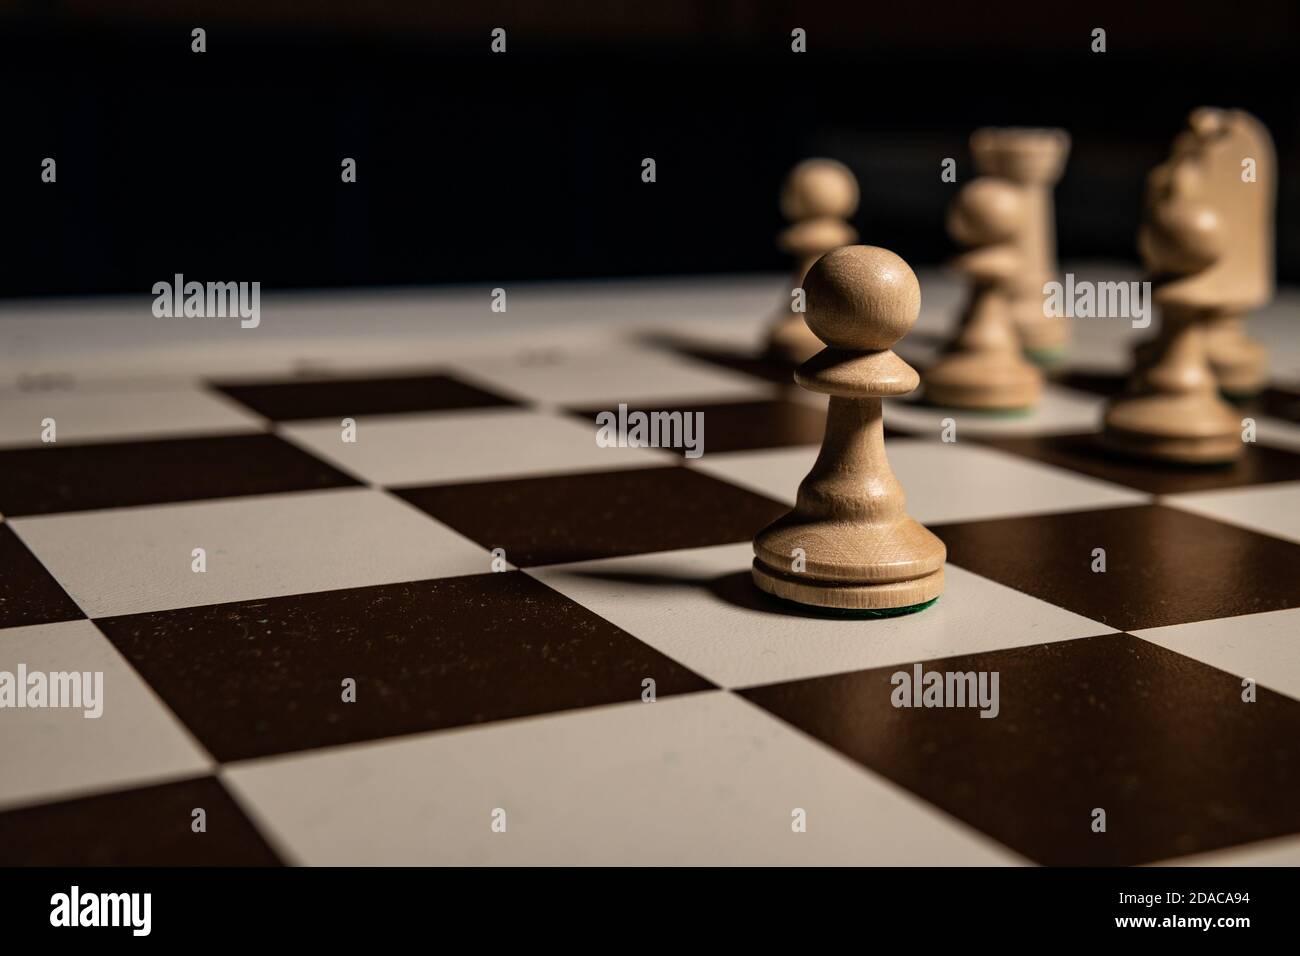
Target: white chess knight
(855,544)
(1200,237)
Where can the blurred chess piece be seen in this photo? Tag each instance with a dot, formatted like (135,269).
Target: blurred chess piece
(1200,242)
(984,366)
(1240,363)
(849,543)
(1034,160)
(818,197)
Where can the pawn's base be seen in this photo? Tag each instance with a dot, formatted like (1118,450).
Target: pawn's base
(982,413)
(1214,450)
(884,612)
(1044,340)
(896,597)
(1193,427)
(1241,394)
(980,380)
(852,614)
(1047,357)
(1016,400)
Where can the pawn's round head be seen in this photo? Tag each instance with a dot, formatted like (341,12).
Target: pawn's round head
(861,298)
(819,187)
(986,210)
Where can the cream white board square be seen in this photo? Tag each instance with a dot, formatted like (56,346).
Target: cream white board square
(1281,852)
(129,560)
(1265,646)
(109,414)
(1279,433)
(1060,411)
(699,607)
(1268,509)
(53,753)
(446,447)
(703,779)
(607,377)
(943,481)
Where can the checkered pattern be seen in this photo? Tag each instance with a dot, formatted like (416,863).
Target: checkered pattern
(521,687)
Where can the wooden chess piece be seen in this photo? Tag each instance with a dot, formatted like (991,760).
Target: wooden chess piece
(984,367)
(1240,363)
(818,196)
(849,542)
(1190,243)
(1034,160)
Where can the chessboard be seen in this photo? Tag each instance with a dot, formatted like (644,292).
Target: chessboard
(463,632)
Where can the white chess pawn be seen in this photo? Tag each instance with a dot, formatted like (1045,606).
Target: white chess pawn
(1032,160)
(818,196)
(983,368)
(849,542)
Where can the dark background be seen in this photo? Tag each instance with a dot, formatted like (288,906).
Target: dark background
(476,167)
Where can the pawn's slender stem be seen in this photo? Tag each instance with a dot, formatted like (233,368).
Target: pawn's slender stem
(851,478)
(988,325)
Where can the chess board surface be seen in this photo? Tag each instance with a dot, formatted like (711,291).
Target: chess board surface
(523,689)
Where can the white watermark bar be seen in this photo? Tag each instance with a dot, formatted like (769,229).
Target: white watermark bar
(38,690)
(1102,300)
(638,429)
(208,300)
